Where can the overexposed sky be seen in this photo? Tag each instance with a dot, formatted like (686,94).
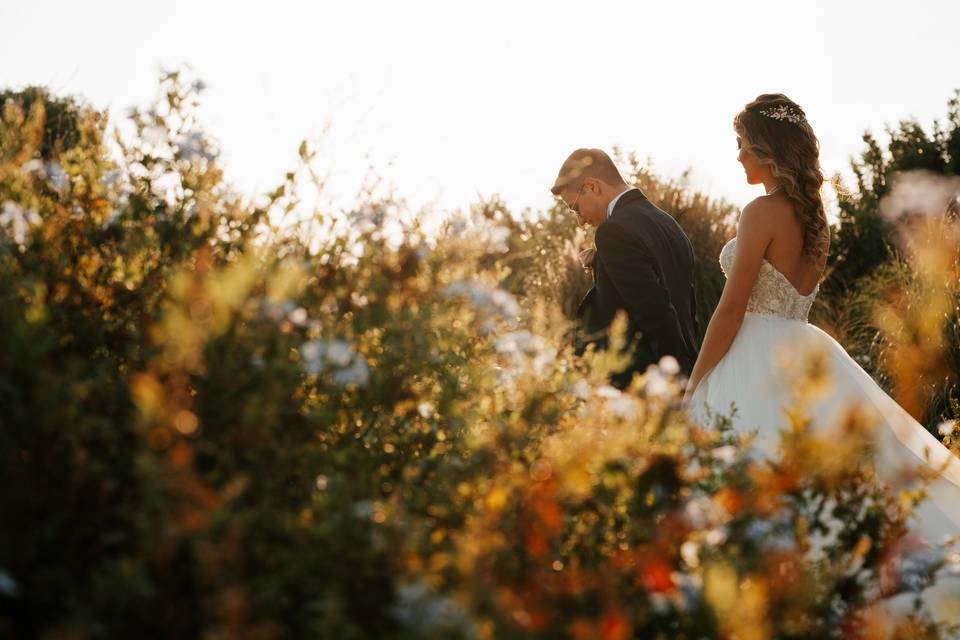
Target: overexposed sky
(450,100)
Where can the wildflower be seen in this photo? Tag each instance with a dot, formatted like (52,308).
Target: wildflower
(33,166)
(154,134)
(953,563)
(495,238)
(312,353)
(278,312)
(488,301)
(518,342)
(16,221)
(690,589)
(369,218)
(430,615)
(193,146)
(298,316)
(716,536)
(660,603)
(726,454)
(618,403)
(947,427)
(656,385)
(669,365)
(690,552)
(581,389)
(357,372)
(110,178)
(339,353)
(111,219)
(425,409)
(349,367)
(57,176)
(362,509)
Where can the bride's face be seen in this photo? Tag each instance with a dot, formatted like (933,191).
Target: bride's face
(755,171)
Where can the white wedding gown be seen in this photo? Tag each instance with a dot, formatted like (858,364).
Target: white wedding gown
(754,376)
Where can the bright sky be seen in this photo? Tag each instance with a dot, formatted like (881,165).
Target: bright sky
(448,100)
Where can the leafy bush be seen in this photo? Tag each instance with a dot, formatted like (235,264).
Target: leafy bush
(869,265)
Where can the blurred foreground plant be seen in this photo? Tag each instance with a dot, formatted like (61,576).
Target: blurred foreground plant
(214,426)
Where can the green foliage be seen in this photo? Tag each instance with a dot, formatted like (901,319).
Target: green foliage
(863,240)
(867,266)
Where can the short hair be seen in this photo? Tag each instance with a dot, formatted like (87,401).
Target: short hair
(586,163)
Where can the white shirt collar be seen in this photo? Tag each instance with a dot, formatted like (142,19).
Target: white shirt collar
(613,202)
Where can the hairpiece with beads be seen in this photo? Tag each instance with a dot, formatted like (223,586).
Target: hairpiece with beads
(784,112)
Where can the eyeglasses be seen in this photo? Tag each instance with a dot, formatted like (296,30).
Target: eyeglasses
(573,207)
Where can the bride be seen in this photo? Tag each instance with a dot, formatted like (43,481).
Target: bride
(773,268)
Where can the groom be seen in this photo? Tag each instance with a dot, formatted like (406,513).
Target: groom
(643,265)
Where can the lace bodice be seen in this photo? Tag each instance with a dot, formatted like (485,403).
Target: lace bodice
(772,294)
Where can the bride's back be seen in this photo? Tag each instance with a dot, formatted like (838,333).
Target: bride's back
(785,251)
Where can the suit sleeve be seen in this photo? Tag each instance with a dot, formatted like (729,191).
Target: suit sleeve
(638,284)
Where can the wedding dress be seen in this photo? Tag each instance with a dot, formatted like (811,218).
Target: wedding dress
(754,377)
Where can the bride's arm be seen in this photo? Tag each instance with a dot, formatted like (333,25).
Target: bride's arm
(754,232)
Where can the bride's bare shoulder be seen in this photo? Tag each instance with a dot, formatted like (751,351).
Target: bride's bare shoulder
(765,212)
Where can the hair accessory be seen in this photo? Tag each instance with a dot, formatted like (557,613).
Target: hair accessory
(784,112)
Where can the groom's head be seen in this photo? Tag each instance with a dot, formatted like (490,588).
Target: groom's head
(588,181)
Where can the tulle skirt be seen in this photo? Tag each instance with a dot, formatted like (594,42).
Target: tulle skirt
(773,361)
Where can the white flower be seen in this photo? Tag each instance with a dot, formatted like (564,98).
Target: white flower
(110,178)
(690,552)
(312,353)
(622,407)
(488,301)
(278,311)
(703,512)
(495,238)
(154,134)
(656,386)
(618,403)
(425,409)
(33,166)
(581,389)
(457,224)
(349,367)
(362,508)
(608,391)
(339,353)
(298,316)
(357,372)
(369,218)
(716,536)
(953,563)
(57,176)
(726,454)
(518,342)
(17,222)
(947,427)
(669,365)
(431,615)
(660,603)
(193,146)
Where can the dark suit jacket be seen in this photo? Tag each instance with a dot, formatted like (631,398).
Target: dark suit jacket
(643,265)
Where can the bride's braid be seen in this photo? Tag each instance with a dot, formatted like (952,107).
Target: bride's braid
(777,132)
